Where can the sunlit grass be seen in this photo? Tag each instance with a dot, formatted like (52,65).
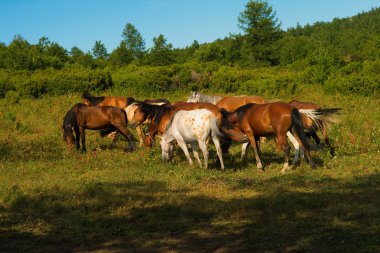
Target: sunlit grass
(111,200)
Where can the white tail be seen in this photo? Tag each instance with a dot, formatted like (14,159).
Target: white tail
(322,117)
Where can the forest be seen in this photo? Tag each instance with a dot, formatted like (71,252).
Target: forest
(341,56)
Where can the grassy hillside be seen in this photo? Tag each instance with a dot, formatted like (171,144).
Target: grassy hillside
(109,200)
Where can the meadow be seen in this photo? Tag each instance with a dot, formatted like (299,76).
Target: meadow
(111,200)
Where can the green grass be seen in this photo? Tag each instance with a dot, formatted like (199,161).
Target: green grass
(109,200)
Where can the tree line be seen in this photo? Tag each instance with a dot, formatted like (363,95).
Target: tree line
(324,50)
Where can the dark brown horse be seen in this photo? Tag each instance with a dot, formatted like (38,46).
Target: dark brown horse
(127,103)
(276,119)
(231,103)
(160,116)
(311,127)
(81,117)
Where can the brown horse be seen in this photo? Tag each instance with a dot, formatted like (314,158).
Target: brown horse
(231,103)
(81,117)
(127,103)
(159,116)
(115,101)
(311,127)
(276,119)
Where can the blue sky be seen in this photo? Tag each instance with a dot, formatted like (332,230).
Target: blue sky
(81,22)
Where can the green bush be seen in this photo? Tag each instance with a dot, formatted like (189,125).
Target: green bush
(356,78)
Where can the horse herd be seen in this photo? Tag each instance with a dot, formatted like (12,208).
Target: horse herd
(244,119)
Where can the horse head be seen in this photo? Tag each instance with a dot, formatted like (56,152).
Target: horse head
(68,136)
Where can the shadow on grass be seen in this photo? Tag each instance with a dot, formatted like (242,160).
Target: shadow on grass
(149,216)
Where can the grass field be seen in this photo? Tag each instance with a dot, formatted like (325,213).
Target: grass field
(109,200)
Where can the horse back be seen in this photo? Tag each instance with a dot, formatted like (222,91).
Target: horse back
(231,103)
(100,117)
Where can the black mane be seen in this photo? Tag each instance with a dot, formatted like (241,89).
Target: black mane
(154,112)
(91,99)
(242,110)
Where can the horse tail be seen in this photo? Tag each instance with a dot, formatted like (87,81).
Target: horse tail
(322,117)
(297,126)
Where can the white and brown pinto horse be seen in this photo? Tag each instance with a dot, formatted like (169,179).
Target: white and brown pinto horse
(131,108)
(192,127)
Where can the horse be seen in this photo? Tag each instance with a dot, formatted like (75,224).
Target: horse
(200,97)
(159,116)
(81,117)
(256,120)
(231,103)
(311,127)
(192,127)
(133,105)
(121,102)
(116,101)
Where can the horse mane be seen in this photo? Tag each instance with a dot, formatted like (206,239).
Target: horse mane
(242,110)
(131,100)
(158,100)
(154,112)
(92,99)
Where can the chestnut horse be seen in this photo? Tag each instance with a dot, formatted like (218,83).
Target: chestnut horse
(277,119)
(311,127)
(81,117)
(118,101)
(159,116)
(231,103)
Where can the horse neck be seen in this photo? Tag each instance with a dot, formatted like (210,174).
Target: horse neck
(165,120)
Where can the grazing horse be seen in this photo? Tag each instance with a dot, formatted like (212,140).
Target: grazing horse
(81,117)
(311,127)
(159,116)
(277,119)
(121,102)
(192,127)
(134,104)
(231,103)
(200,97)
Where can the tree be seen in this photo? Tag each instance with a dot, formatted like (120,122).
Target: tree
(262,29)
(121,55)
(161,53)
(134,41)
(99,50)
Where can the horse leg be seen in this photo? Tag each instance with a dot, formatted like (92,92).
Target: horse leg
(183,146)
(283,145)
(253,143)
(125,132)
(195,152)
(327,140)
(244,151)
(203,147)
(83,138)
(307,152)
(139,135)
(218,151)
(77,138)
(296,145)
